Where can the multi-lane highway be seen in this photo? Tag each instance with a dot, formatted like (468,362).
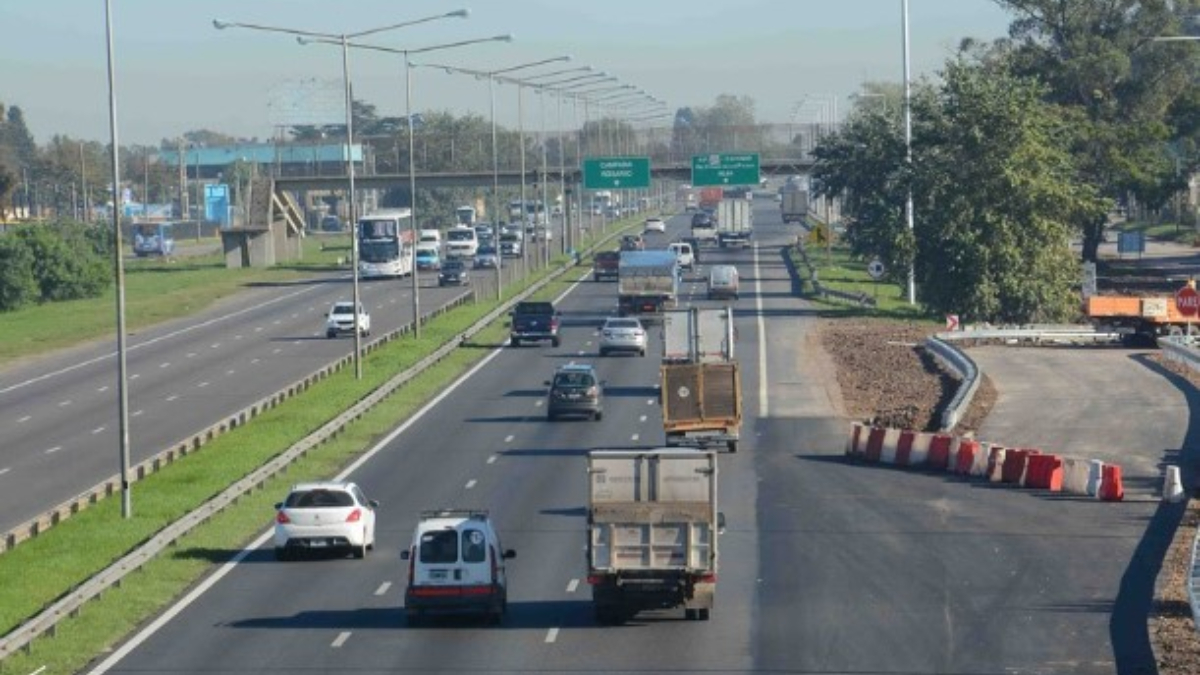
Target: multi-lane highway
(826,567)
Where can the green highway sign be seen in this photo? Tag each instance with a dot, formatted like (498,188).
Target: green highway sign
(739,169)
(616,173)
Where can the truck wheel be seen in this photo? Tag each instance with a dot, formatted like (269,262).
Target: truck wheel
(514,341)
(608,616)
(599,415)
(732,445)
(555,342)
(689,614)
(702,614)
(413,617)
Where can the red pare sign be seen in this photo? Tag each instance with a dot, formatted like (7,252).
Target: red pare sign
(1187,301)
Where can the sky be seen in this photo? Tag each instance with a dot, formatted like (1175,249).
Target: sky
(797,60)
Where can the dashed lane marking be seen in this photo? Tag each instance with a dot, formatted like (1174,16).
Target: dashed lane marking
(635,437)
(53,450)
(97,430)
(642,418)
(551,635)
(25,418)
(340,639)
(383,588)
(509,438)
(574,584)
(492,459)
(470,483)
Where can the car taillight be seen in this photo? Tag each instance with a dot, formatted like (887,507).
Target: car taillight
(594,579)
(354,516)
(495,565)
(412,559)
(281,517)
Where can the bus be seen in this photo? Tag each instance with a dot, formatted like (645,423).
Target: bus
(153,239)
(385,244)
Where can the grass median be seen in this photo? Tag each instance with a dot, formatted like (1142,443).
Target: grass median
(45,568)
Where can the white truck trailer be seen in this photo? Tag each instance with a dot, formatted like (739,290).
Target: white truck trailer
(794,206)
(652,532)
(735,222)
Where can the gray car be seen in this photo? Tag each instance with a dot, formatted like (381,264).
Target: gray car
(622,335)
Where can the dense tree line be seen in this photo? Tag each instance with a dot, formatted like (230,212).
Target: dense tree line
(1020,147)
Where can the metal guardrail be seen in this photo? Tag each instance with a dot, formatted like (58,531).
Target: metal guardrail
(68,606)
(955,360)
(1183,350)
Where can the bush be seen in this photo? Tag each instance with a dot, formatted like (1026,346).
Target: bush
(18,287)
(59,261)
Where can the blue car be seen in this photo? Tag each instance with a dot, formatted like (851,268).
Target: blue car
(428,259)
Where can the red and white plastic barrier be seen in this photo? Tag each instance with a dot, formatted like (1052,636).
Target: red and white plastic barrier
(1024,467)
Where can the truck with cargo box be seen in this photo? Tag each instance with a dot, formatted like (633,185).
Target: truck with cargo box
(653,528)
(701,391)
(647,283)
(735,223)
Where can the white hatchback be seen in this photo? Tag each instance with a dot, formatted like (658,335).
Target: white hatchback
(622,335)
(655,225)
(326,515)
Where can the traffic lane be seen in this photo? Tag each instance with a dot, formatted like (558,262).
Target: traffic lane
(178,385)
(1106,403)
(459,455)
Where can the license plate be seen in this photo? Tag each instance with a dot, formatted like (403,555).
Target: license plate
(438,575)
(318,543)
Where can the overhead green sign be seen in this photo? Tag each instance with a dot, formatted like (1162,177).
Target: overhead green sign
(616,173)
(725,169)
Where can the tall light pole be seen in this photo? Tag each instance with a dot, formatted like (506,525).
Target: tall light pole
(343,39)
(491,76)
(908,200)
(119,270)
(412,174)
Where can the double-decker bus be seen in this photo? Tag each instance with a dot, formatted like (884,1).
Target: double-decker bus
(385,244)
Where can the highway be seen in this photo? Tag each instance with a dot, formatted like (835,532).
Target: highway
(60,431)
(826,567)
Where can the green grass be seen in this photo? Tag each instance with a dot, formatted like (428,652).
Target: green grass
(46,567)
(1172,231)
(838,270)
(155,291)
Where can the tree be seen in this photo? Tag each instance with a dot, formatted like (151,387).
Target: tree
(18,286)
(1127,94)
(8,185)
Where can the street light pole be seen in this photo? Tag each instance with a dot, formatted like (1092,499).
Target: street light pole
(343,39)
(119,270)
(908,200)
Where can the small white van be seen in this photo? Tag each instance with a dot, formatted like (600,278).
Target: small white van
(461,242)
(723,282)
(683,253)
(430,236)
(456,565)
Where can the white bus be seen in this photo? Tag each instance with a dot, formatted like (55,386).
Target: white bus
(385,244)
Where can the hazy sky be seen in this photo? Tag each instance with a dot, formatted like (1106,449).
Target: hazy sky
(176,73)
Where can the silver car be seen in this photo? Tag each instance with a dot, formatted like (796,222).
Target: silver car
(622,335)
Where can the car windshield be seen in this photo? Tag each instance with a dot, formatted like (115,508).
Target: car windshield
(318,499)
(461,235)
(452,266)
(343,309)
(622,323)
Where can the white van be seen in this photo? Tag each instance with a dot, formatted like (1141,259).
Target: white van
(456,564)
(683,253)
(723,282)
(461,242)
(430,237)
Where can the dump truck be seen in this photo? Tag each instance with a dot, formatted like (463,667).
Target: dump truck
(735,223)
(710,197)
(701,389)
(653,527)
(647,283)
(1137,318)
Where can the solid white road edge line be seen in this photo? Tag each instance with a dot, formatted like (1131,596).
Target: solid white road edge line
(183,603)
(764,405)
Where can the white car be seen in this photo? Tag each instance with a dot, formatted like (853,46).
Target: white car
(655,225)
(622,335)
(340,319)
(683,253)
(326,515)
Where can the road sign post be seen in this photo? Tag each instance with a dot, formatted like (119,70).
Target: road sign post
(729,169)
(1187,301)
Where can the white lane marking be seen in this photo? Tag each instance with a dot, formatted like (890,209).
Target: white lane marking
(191,355)
(635,437)
(63,404)
(53,450)
(642,418)
(537,404)
(574,584)
(202,385)
(470,483)
(764,404)
(172,397)
(134,376)
(277,350)
(383,588)
(230,372)
(492,459)
(260,328)
(25,418)
(509,438)
(97,430)
(551,635)
(165,365)
(4,470)
(213,579)
(135,413)
(103,389)
(140,345)
(650,401)
(580,353)
(215,345)
(255,360)
(340,639)
(237,337)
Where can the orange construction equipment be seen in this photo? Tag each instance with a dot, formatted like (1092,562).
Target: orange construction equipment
(1044,472)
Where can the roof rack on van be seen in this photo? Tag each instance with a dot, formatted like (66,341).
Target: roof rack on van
(476,514)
